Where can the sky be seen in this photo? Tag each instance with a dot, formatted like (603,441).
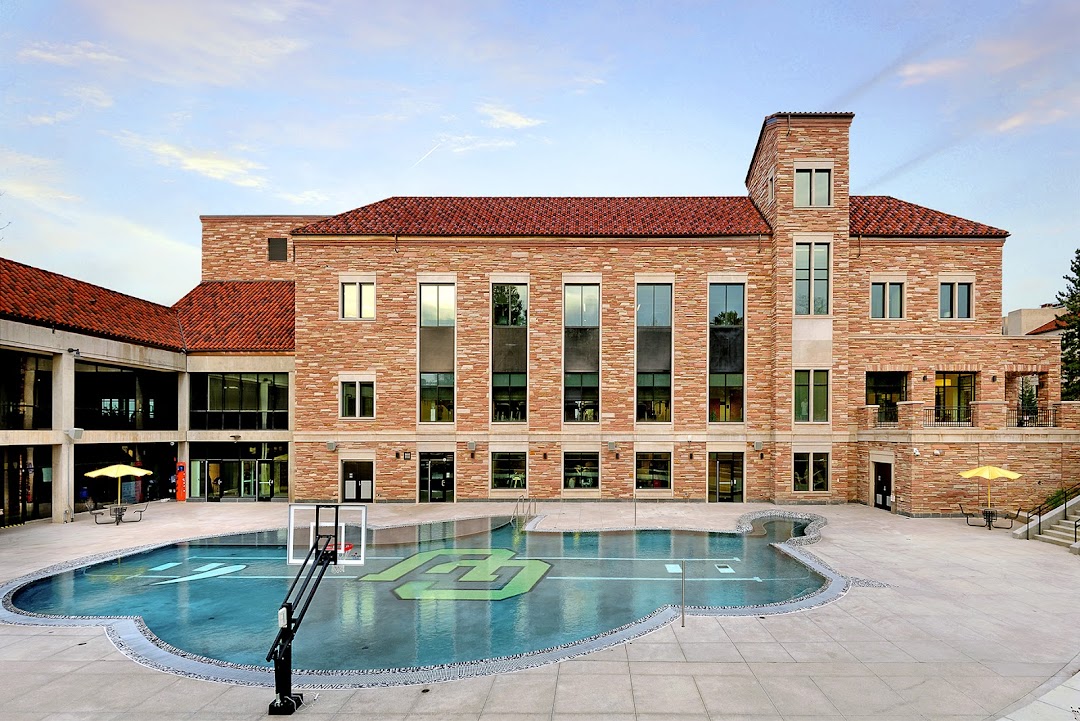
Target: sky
(123,121)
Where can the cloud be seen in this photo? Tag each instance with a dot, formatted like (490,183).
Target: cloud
(91,95)
(203,41)
(918,73)
(68,54)
(208,163)
(306,197)
(31,178)
(499,117)
(469,143)
(57,117)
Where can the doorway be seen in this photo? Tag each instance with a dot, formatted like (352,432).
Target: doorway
(436,482)
(883,486)
(358,481)
(725,478)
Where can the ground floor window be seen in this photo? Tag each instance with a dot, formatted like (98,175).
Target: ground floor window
(26,484)
(653,470)
(811,472)
(436,397)
(239,471)
(581,470)
(654,397)
(508,470)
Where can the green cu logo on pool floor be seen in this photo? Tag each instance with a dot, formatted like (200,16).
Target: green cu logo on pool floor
(481,566)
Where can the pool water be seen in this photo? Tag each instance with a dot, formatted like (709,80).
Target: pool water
(495,593)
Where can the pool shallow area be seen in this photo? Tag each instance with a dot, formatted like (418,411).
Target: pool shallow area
(433,601)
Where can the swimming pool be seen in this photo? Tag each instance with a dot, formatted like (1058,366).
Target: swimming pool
(432,601)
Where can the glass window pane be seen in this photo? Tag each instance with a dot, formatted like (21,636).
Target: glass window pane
(348,400)
(350,301)
(963,300)
(581,470)
(802,188)
(572,306)
(802,396)
(877,300)
(801,469)
(896,300)
(822,187)
(945,300)
(821,472)
(447,305)
(367,300)
(662,305)
(590,306)
(735,293)
(645,310)
(821,396)
(429,304)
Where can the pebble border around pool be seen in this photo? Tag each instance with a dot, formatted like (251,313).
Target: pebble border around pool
(136,641)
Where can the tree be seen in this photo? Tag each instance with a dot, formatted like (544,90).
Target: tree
(1070,337)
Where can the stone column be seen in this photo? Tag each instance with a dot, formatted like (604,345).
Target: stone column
(988,415)
(63,450)
(910,415)
(1068,414)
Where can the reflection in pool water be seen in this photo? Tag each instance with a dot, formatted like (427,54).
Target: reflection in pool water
(425,600)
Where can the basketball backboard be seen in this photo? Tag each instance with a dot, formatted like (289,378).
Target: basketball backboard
(351,541)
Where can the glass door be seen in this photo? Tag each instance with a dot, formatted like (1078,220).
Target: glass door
(436,482)
(358,481)
(266,480)
(248,479)
(725,478)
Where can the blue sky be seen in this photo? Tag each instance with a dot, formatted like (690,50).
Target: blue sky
(124,120)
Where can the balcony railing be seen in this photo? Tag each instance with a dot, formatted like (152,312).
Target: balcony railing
(947,416)
(1031,417)
(888,416)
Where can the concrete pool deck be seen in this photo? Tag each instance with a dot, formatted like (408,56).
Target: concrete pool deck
(962,623)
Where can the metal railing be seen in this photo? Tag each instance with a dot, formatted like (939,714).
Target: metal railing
(947,416)
(1058,498)
(888,416)
(1031,418)
(524,510)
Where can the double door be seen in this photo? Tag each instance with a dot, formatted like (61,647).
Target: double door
(883,497)
(358,481)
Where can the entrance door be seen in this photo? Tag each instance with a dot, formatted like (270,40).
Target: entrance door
(248,479)
(883,486)
(726,477)
(358,481)
(436,482)
(266,481)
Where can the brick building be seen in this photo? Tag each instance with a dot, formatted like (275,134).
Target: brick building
(797,344)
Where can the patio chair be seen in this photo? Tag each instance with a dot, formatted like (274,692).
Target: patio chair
(969,516)
(97,513)
(135,510)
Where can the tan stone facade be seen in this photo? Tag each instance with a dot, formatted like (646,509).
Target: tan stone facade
(923,456)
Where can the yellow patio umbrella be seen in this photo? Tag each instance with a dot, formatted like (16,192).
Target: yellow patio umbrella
(990,473)
(118,472)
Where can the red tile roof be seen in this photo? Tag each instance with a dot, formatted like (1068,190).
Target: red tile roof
(238,316)
(557,217)
(875,215)
(883,216)
(38,297)
(1055,324)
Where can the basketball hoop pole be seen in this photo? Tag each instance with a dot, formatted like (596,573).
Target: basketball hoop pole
(323,553)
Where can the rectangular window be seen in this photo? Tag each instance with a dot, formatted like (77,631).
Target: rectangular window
(654,397)
(508,394)
(436,397)
(726,351)
(358,300)
(437,304)
(953,396)
(277,249)
(886,300)
(813,187)
(885,389)
(581,397)
(812,396)
(811,472)
(509,352)
(581,352)
(357,399)
(508,470)
(955,300)
(811,279)
(581,470)
(654,302)
(653,470)
(582,306)
(509,305)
